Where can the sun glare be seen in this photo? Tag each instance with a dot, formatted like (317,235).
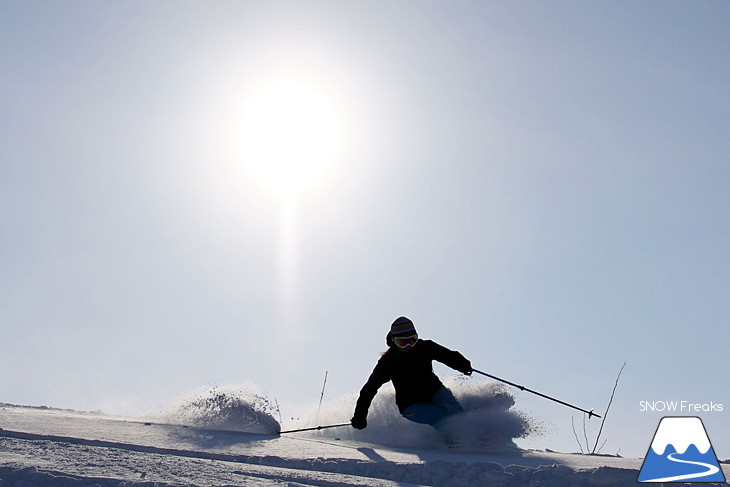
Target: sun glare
(286,136)
(291,134)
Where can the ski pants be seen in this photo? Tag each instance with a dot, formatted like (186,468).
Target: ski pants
(442,405)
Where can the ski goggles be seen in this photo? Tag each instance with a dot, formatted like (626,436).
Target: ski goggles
(405,341)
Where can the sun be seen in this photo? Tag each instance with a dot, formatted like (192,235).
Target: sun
(290,134)
(286,136)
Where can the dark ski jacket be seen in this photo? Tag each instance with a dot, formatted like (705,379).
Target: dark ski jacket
(411,373)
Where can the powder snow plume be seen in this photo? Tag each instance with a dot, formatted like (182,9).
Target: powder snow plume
(227,409)
(488,421)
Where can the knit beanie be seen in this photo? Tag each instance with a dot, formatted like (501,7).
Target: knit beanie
(402,326)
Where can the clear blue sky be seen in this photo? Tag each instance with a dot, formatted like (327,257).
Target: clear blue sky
(541,185)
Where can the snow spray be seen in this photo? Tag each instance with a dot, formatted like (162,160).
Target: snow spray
(227,409)
(488,420)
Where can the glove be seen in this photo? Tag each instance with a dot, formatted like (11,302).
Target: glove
(465,367)
(359,423)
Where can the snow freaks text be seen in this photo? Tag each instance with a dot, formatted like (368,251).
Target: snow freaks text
(679,407)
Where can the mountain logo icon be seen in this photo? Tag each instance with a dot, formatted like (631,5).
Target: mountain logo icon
(681,452)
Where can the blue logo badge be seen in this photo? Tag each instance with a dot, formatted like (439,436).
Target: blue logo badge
(681,452)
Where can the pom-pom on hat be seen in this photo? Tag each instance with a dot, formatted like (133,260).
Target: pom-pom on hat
(402,326)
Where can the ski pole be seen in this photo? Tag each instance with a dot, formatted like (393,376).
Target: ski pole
(523,388)
(315,428)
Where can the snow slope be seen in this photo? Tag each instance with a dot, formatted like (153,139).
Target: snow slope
(47,447)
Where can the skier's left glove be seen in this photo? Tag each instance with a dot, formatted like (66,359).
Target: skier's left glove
(465,367)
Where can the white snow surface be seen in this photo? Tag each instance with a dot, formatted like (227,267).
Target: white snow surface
(226,439)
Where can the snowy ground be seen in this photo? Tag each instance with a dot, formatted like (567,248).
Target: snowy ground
(50,447)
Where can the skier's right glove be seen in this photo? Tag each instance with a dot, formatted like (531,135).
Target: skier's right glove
(359,423)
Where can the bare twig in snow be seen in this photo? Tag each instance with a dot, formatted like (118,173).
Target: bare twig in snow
(600,430)
(572,423)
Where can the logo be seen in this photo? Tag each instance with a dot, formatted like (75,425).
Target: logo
(681,452)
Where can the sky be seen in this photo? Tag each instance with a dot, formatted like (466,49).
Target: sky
(198,195)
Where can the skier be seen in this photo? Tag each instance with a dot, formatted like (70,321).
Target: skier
(419,394)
